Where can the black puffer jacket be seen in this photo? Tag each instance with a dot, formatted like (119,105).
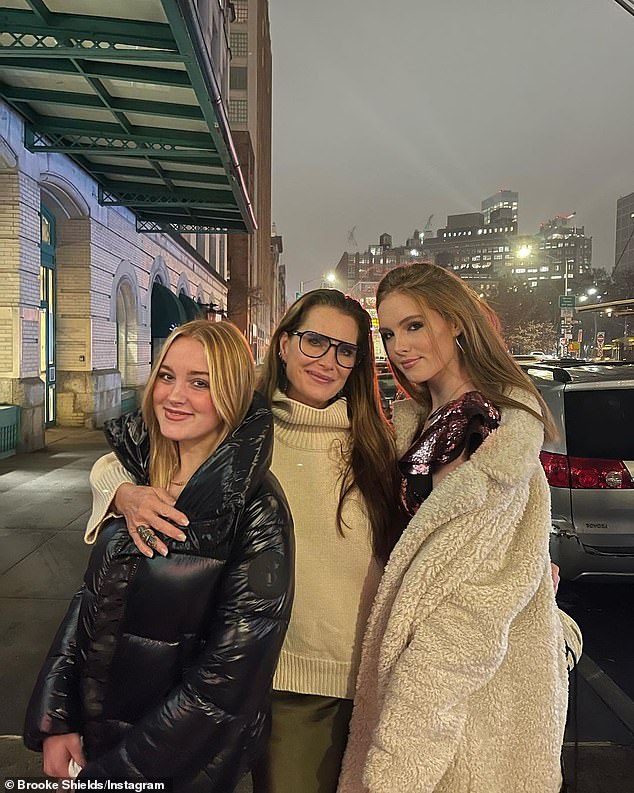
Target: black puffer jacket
(164,665)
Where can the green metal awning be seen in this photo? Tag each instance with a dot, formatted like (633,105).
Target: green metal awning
(193,310)
(129,91)
(167,311)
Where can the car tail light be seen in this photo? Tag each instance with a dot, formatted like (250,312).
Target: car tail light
(556,469)
(583,473)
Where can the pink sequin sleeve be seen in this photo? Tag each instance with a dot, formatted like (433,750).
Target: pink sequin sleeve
(455,427)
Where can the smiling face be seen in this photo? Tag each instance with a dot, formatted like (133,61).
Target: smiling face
(315,381)
(181,397)
(422,346)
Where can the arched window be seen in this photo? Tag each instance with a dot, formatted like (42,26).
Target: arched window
(47,314)
(126,333)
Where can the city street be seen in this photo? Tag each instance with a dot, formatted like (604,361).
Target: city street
(602,724)
(45,504)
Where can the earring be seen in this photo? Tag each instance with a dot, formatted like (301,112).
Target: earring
(283,381)
(460,347)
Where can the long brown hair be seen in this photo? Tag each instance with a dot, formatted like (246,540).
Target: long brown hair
(370,463)
(231,386)
(486,359)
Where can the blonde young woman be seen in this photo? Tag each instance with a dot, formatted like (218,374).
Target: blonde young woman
(162,667)
(463,681)
(334,456)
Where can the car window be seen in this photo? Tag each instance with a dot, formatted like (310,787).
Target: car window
(387,385)
(599,423)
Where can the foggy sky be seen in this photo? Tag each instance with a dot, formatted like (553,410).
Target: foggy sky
(385,112)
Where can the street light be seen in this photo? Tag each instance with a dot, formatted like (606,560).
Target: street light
(327,278)
(526,251)
(592,291)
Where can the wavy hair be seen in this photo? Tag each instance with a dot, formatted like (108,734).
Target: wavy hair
(486,359)
(231,387)
(370,462)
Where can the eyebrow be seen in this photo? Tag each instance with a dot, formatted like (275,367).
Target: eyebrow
(332,338)
(169,368)
(404,321)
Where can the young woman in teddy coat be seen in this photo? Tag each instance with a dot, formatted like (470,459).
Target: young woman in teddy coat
(463,682)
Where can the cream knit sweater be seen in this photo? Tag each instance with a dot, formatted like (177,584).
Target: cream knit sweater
(336,577)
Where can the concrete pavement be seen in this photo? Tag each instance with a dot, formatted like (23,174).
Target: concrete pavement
(44,505)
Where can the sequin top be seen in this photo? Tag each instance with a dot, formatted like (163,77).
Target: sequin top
(460,425)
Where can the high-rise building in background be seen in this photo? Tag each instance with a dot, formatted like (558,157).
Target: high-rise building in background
(477,251)
(564,252)
(278,306)
(624,248)
(482,249)
(503,199)
(251,266)
(371,265)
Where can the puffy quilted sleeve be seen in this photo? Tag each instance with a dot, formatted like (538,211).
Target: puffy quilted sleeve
(214,715)
(54,707)
(129,440)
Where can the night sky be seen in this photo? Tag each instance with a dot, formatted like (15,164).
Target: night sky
(387,112)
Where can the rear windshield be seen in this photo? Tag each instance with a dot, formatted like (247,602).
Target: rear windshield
(600,423)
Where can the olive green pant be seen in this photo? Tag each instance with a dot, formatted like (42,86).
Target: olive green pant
(305,750)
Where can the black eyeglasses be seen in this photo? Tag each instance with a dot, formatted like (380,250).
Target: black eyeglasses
(316,345)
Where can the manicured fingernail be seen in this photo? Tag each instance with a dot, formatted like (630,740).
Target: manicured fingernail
(181,537)
(163,552)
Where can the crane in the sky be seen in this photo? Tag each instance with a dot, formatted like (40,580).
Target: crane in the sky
(352,242)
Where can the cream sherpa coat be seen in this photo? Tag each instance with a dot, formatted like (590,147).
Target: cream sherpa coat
(463,681)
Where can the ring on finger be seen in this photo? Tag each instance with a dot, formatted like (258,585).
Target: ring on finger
(147,535)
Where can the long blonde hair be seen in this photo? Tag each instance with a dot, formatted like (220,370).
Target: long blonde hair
(486,359)
(231,386)
(370,464)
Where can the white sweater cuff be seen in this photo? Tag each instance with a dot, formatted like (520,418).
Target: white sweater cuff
(105,477)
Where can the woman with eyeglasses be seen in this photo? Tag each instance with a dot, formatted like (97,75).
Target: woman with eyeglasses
(335,458)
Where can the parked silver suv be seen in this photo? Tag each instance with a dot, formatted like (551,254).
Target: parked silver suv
(590,468)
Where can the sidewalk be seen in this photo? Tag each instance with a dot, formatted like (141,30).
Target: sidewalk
(44,505)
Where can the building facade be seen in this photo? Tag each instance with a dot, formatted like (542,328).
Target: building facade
(252,282)
(504,199)
(559,251)
(91,284)
(278,306)
(624,248)
(477,251)
(372,264)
